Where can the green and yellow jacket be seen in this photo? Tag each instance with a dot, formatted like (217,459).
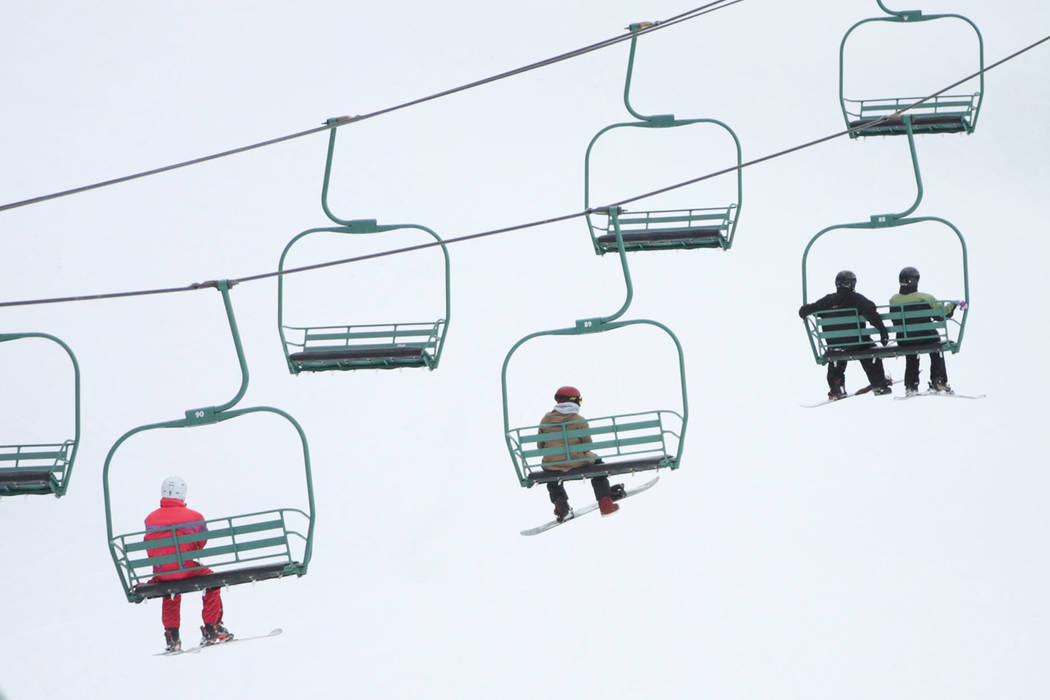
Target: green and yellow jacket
(918,301)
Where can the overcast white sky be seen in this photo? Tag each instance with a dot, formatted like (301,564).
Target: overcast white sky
(872,549)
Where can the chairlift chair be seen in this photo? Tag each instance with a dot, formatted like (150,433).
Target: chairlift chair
(242,548)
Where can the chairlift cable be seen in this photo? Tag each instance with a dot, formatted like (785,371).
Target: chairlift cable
(516,227)
(343,121)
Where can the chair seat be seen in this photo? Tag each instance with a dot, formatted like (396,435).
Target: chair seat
(920,124)
(25,476)
(665,235)
(159,589)
(841,354)
(592,470)
(351,353)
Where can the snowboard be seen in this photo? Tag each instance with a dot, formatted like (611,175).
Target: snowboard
(201,647)
(942,394)
(858,392)
(589,508)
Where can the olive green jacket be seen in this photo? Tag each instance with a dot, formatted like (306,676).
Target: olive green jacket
(552,423)
(914,301)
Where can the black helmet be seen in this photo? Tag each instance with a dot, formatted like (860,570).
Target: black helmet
(908,275)
(845,279)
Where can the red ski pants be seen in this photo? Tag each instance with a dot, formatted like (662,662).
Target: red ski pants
(171,608)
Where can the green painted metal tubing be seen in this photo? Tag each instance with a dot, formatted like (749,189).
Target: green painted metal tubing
(209,415)
(576,330)
(599,324)
(369,226)
(859,341)
(869,225)
(566,433)
(912,16)
(881,221)
(56,486)
(127,583)
(620,439)
(657,121)
(670,123)
(357,226)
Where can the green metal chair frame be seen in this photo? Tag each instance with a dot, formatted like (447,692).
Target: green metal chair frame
(648,440)
(41,469)
(352,347)
(262,539)
(942,114)
(856,342)
(711,227)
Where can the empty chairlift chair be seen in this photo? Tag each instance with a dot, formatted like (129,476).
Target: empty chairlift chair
(360,346)
(35,468)
(941,114)
(669,229)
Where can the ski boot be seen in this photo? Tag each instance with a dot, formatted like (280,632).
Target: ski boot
(171,639)
(882,390)
(837,392)
(562,511)
(617,491)
(941,387)
(214,633)
(606,506)
(911,389)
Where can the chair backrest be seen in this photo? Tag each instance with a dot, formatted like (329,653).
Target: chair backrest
(629,436)
(669,229)
(34,469)
(944,113)
(364,346)
(847,335)
(255,539)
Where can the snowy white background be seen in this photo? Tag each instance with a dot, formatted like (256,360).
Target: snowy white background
(873,549)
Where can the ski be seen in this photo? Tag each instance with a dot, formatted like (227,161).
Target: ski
(941,394)
(201,647)
(858,392)
(584,510)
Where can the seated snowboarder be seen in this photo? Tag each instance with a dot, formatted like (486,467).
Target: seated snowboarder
(566,416)
(911,299)
(850,302)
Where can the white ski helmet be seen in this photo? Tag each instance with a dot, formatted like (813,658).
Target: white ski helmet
(173,487)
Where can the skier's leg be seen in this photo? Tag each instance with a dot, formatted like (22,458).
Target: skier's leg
(170,611)
(911,371)
(557,492)
(560,499)
(212,612)
(603,494)
(875,371)
(601,487)
(837,376)
(938,370)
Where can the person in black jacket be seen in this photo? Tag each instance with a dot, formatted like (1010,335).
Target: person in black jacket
(851,303)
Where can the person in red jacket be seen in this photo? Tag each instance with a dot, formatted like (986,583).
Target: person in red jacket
(174,518)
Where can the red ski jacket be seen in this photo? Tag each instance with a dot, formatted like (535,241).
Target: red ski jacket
(173,514)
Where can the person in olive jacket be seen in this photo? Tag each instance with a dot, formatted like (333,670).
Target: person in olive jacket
(565,416)
(849,301)
(911,299)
